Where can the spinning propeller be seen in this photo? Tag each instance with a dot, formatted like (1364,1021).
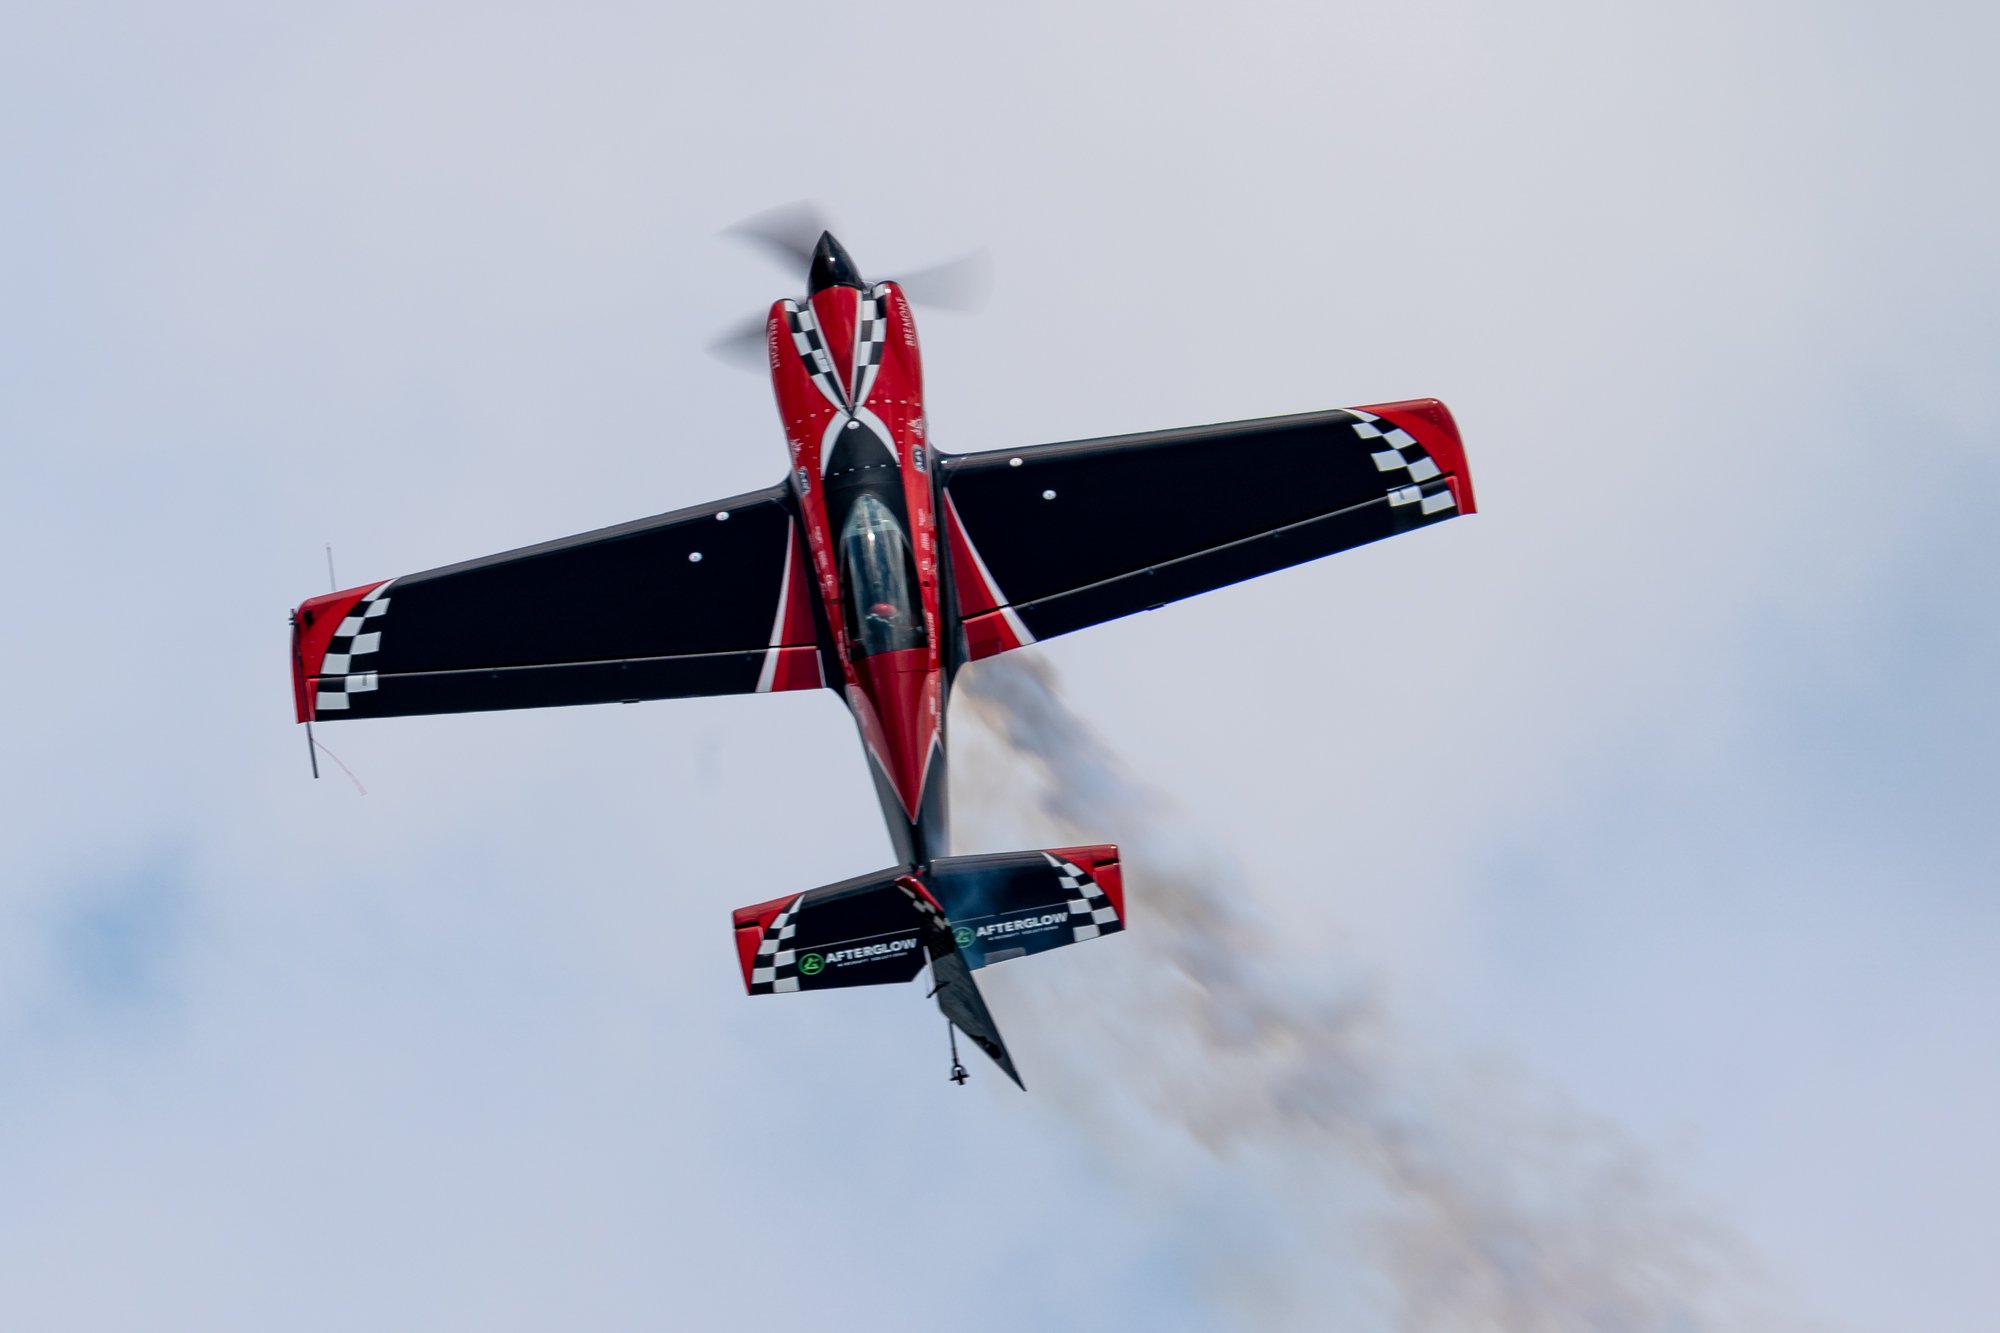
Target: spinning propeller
(791,233)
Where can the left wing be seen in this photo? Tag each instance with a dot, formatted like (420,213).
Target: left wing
(1053,538)
(708,600)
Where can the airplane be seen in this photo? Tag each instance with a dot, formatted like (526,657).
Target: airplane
(878,568)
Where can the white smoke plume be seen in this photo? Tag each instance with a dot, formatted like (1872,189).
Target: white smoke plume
(1358,1188)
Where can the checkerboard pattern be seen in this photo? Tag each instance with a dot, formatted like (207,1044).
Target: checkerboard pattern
(870,336)
(358,637)
(1090,912)
(812,350)
(1395,450)
(776,968)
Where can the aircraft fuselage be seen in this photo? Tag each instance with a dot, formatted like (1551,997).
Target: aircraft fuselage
(849,383)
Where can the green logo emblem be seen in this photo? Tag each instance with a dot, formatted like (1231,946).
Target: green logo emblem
(962,936)
(812,965)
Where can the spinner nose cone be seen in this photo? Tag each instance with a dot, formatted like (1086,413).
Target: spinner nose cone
(831,267)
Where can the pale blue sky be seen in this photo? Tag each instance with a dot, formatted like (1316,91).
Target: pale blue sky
(1661,784)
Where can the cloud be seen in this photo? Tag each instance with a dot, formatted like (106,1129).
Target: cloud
(1472,1205)
(427,285)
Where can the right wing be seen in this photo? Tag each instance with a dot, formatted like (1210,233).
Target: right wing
(1051,539)
(708,600)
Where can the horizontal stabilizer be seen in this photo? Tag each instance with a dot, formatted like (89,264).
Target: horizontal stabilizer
(869,930)
(1018,903)
(860,932)
(961,914)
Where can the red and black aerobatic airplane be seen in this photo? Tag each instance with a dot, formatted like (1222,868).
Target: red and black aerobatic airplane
(878,568)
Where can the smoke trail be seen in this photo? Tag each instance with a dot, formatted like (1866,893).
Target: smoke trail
(1475,1212)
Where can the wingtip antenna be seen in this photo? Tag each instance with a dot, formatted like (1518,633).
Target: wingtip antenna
(332,583)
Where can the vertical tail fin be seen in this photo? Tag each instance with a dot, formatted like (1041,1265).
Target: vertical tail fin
(959,998)
(957,994)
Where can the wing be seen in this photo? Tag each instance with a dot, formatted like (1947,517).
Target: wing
(709,600)
(1051,539)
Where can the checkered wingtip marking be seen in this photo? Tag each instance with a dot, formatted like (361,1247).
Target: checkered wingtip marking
(1090,912)
(775,970)
(812,350)
(342,671)
(870,337)
(1413,475)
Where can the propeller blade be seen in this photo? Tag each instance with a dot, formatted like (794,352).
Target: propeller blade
(789,231)
(742,344)
(791,234)
(956,284)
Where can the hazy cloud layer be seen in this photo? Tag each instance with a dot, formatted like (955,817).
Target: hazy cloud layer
(1358,1171)
(1664,779)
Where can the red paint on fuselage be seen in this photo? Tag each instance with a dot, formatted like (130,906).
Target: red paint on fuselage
(897,697)
(904,688)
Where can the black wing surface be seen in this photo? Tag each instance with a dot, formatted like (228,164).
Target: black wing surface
(1053,538)
(707,600)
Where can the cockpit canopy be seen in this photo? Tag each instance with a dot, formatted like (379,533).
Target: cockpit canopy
(878,582)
